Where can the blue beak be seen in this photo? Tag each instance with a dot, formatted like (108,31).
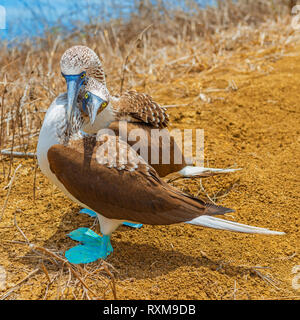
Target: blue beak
(72,89)
(92,107)
(74,83)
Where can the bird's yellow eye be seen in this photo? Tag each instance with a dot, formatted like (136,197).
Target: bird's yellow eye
(82,76)
(86,95)
(103,105)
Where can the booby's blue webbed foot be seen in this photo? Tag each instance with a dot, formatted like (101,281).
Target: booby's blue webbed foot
(132,225)
(92,247)
(93,214)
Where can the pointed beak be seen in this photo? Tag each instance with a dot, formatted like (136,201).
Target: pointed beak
(73,90)
(92,108)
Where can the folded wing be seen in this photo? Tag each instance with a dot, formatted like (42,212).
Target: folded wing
(140,107)
(152,145)
(109,177)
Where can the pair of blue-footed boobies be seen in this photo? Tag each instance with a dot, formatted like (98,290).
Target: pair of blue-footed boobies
(101,170)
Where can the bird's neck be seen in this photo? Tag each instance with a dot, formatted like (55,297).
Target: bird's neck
(55,129)
(54,124)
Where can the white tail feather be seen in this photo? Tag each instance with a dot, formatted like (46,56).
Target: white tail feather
(216,223)
(189,171)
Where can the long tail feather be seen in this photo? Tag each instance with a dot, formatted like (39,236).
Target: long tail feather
(197,172)
(217,223)
(191,171)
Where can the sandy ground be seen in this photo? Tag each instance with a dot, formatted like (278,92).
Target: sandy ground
(256,128)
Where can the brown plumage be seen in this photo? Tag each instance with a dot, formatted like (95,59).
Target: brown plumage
(141,112)
(152,140)
(124,187)
(142,107)
(131,105)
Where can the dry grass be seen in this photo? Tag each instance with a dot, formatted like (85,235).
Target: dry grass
(174,44)
(242,37)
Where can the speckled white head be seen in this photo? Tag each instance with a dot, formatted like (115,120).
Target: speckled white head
(78,59)
(97,88)
(96,103)
(76,64)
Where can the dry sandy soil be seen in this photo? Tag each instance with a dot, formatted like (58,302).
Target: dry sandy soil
(255,127)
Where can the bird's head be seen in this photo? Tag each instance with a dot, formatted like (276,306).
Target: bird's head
(95,99)
(76,63)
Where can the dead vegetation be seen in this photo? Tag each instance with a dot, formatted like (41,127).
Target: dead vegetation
(243,38)
(173,44)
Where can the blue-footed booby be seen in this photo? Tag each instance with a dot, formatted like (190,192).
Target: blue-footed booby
(124,186)
(139,110)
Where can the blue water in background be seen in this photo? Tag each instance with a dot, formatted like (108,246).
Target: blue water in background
(30,18)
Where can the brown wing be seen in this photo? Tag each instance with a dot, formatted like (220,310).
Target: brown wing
(124,187)
(140,106)
(142,138)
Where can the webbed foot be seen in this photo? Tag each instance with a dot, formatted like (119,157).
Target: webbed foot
(92,247)
(132,225)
